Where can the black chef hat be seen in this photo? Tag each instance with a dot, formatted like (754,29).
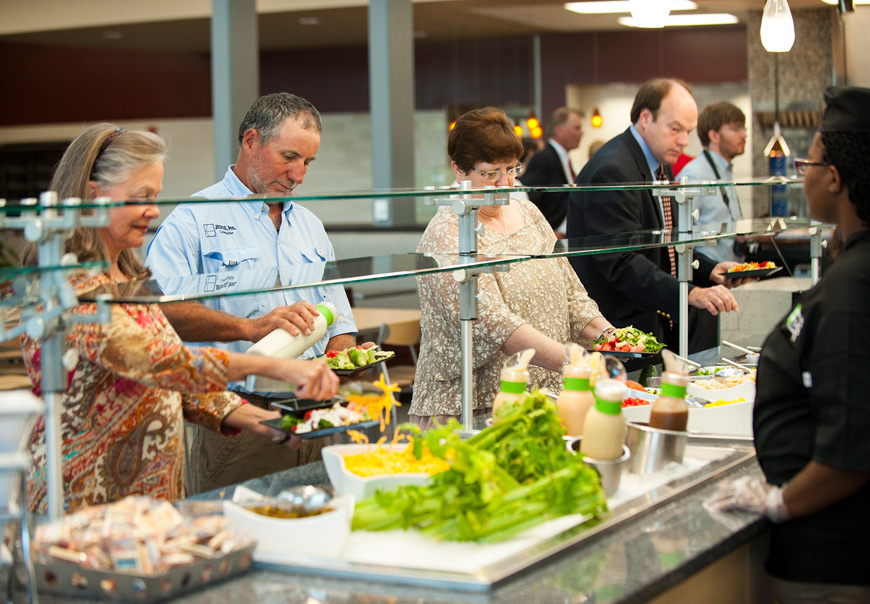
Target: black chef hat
(847,109)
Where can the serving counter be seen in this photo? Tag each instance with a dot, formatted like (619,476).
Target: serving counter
(649,548)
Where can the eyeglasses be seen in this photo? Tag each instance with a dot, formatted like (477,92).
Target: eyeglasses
(495,175)
(802,166)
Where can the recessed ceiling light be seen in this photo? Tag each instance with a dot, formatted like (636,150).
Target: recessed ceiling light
(619,6)
(309,21)
(687,20)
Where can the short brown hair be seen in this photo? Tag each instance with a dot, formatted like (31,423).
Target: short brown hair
(715,116)
(651,94)
(483,135)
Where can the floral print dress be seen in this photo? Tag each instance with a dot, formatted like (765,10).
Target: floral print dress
(122,415)
(544,293)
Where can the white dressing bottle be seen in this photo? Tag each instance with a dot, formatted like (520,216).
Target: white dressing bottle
(514,380)
(576,397)
(281,344)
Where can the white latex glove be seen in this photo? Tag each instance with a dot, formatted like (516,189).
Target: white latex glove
(751,494)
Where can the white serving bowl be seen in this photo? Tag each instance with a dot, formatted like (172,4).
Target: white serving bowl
(348,483)
(324,535)
(734,419)
(745,390)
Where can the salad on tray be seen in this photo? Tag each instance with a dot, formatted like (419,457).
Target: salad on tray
(355,358)
(628,339)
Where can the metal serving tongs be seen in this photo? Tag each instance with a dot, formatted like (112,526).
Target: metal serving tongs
(738,348)
(738,365)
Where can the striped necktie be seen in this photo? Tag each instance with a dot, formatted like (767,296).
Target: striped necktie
(662,176)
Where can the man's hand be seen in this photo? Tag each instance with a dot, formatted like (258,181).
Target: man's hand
(714,299)
(752,495)
(295,319)
(730,282)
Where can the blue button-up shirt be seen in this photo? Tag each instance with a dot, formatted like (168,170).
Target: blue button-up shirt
(652,162)
(713,213)
(226,246)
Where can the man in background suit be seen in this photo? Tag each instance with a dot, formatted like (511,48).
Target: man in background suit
(551,166)
(639,287)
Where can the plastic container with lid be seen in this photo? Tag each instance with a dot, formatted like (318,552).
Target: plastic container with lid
(576,397)
(514,380)
(604,429)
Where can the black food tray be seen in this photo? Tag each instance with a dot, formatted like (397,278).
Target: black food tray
(759,272)
(345,372)
(276,423)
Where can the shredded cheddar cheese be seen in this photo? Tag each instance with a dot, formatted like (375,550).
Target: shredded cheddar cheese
(720,403)
(381,461)
(378,406)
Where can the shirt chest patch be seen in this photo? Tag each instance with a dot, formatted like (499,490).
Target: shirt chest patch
(795,323)
(213,230)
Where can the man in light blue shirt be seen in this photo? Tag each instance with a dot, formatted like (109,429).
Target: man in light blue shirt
(722,130)
(245,244)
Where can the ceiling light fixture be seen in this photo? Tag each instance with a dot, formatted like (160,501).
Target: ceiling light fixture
(777,27)
(650,13)
(610,7)
(687,20)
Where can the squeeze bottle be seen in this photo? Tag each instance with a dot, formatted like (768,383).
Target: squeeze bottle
(280,344)
(514,380)
(576,397)
(670,410)
(604,430)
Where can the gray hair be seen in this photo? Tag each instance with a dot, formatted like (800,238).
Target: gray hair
(269,113)
(108,155)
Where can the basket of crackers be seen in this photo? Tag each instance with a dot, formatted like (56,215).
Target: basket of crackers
(138,549)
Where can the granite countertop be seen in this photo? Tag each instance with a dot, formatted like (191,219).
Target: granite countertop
(632,563)
(637,560)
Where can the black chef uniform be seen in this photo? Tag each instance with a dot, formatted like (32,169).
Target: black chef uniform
(813,403)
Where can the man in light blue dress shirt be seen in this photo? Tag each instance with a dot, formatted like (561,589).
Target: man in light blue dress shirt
(722,130)
(250,245)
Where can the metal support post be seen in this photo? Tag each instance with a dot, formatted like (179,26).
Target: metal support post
(466,206)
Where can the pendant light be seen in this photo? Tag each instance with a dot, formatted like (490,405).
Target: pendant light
(596,119)
(777,27)
(649,13)
(776,145)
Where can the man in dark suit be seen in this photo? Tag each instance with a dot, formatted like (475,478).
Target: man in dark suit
(639,287)
(552,167)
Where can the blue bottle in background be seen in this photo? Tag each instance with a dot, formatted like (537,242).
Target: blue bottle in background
(778,193)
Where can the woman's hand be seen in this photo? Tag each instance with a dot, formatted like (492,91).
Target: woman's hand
(314,378)
(248,417)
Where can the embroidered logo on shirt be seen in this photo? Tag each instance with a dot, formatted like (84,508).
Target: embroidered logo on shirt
(213,285)
(795,323)
(212,230)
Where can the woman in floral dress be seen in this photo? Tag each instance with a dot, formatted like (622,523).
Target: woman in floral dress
(135,382)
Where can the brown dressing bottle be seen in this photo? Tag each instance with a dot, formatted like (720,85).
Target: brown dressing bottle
(670,410)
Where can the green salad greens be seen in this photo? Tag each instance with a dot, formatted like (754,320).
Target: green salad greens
(353,358)
(503,480)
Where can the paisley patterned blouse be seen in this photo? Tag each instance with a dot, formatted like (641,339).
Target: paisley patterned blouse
(121,422)
(543,293)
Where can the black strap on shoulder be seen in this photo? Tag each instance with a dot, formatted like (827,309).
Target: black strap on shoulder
(716,172)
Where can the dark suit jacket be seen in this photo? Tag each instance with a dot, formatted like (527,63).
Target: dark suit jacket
(629,287)
(545,169)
